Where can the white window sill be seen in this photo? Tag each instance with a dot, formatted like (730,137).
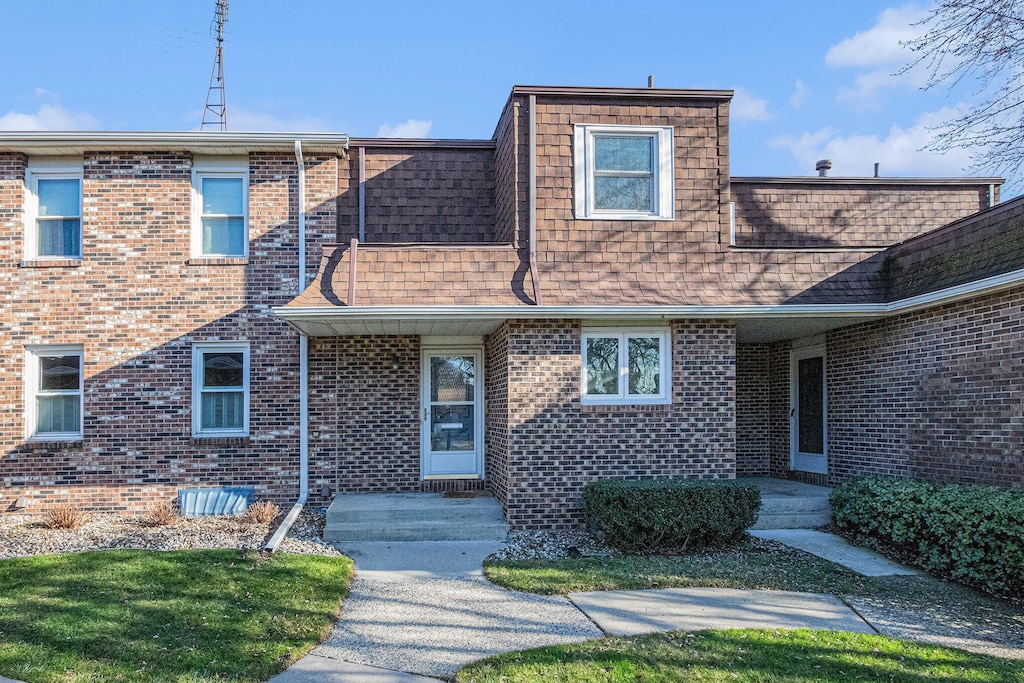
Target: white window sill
(55,440)
(626,403)
(624,217)
(218,260)
(51,262)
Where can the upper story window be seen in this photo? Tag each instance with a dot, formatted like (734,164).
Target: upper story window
(220,208)
(53,387)
(626,366)
(623,172)
(220,389)
(53,209)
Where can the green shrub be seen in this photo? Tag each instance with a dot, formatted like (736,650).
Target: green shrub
(664,515)
(974,534)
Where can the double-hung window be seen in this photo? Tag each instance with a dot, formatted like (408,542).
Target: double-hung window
(623,172)
(220,389)
(53,210)
(626,366)
(54,393)
(220,190)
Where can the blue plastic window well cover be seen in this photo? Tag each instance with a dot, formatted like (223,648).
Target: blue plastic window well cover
(227,500)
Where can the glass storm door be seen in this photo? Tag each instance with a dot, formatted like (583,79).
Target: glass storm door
(452,414)
(809,411)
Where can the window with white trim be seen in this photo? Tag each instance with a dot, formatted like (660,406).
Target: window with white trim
(623,172)
(626,366)
(220,208)
(220,389)
(53,209)
(53,387)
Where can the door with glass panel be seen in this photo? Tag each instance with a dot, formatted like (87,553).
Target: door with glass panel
(452,414)
(808,415)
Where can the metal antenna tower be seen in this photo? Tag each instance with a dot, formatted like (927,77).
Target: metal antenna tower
(216,113)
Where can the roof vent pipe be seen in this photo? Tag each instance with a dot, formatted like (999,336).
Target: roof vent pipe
(650,81)
(822,167)
(876,169)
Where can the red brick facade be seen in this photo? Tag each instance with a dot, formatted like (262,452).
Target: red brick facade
(556,445)
(933,392)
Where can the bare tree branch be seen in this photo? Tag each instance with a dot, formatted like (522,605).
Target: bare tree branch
(980,41)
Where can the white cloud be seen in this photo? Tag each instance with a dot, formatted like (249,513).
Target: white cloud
(879,54)
(748,107)
(899,153)
(800,95)
(412,128)
(49,117)
(880,44)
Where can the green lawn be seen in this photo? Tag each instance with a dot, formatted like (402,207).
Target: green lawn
(186,616)
(743,656)
(751,565)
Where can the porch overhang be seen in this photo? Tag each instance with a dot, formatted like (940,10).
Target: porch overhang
(754,323)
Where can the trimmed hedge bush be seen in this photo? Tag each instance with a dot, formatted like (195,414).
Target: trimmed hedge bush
(974,534)
(670,515)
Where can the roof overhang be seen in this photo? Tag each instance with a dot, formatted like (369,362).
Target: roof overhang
(209,142)
(754,323)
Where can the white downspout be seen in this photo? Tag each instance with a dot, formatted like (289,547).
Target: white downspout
(293,514)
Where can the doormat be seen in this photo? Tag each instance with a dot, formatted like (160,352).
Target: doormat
(467,494)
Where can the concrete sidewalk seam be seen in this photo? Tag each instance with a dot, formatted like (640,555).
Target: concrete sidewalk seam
(590,618)
(856,611)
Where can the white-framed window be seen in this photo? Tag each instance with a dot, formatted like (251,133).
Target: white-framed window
(220,207)
(220,389)
(53,209)
(623,172)
(53,393)
(626,366)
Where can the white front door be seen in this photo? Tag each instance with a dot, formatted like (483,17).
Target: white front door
(808,415)
(452,414)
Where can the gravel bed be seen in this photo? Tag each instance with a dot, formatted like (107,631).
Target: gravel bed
(24,535)
(552,545)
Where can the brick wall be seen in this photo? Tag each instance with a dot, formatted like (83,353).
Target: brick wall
(753,440)
(778,408)
(832,213)
(363,413)
(557,445)
(137,303)
(937,394)
(496,415)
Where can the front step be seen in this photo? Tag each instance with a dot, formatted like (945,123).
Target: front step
(792,505)
(413,517)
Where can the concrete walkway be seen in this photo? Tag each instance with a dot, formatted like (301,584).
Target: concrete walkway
(418,610)
(837,549)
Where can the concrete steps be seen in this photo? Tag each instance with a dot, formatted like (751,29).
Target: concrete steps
(413,517)
(792,505)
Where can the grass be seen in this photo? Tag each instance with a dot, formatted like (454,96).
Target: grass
(743,656)
(753,564)
(185,616)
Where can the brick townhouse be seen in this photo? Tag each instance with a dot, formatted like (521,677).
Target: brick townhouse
(587,294)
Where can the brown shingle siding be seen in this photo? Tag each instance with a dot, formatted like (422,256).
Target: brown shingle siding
(815,213)
(986,244)
(421,195)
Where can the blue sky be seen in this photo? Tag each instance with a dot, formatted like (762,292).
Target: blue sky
(813,79)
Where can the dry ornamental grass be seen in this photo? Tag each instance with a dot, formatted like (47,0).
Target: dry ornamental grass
(64,516)
(263,512)
(161,513)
